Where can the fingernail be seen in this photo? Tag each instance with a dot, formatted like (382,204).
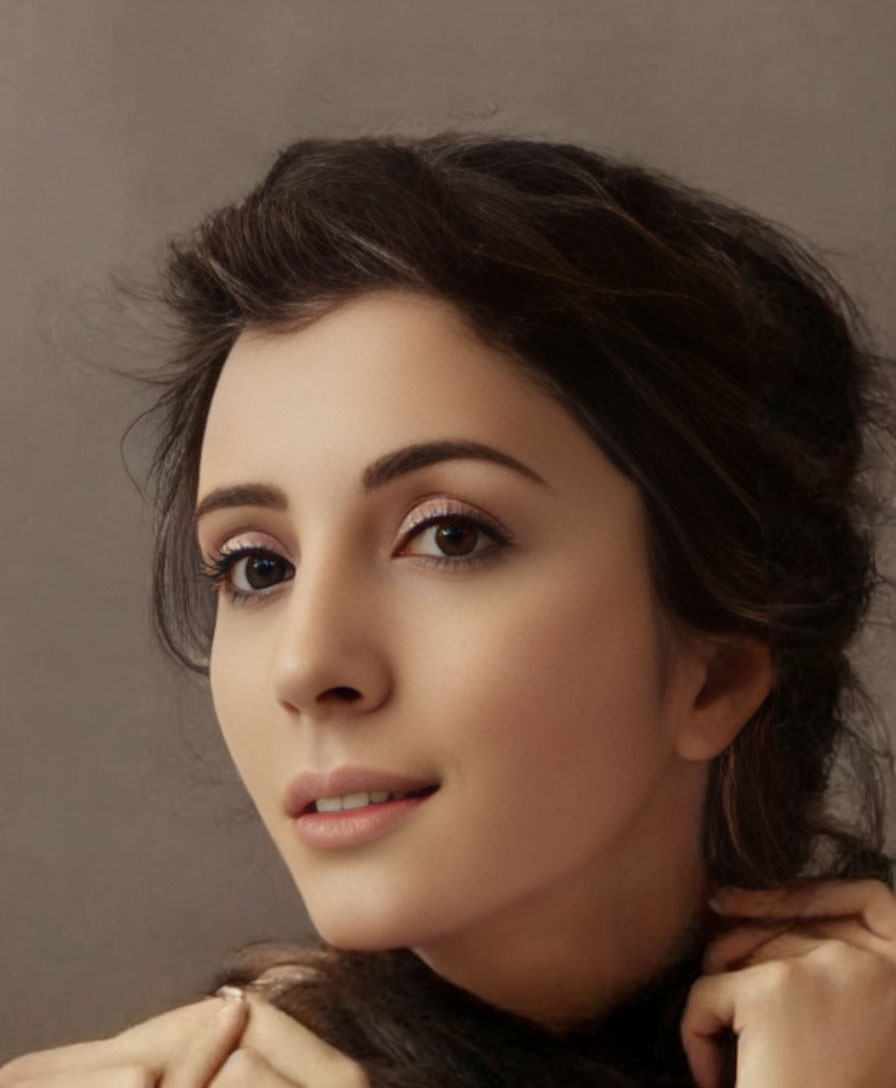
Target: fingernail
(231,993)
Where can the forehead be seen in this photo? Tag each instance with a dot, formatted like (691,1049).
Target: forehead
(378,372)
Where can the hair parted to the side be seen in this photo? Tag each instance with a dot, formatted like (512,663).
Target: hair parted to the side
(708,354)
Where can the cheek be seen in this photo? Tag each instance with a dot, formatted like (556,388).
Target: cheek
(556,698)
(237,672)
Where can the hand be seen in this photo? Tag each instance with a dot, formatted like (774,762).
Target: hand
(136,1058)
(216,1043)
(808,985)
(273,1051)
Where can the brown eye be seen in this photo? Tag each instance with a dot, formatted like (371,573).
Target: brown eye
(456,537)
(454,540)
(256,572)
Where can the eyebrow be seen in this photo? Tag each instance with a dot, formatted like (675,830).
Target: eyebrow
(223,498)
(413,458)
(384,470)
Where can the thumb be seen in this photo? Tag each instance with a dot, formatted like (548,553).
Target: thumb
(709,1014)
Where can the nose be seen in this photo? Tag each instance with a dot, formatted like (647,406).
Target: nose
(331,654)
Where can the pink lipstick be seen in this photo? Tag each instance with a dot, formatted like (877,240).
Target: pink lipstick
(350,806)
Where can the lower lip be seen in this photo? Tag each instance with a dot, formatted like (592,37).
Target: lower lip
(354,827)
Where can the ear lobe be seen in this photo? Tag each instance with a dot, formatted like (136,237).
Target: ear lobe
(736,679)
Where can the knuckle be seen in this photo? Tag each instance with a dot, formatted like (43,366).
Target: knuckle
(852,965)
(833,955)
(697,991)
(134,1076)
(696,999)
(777,975)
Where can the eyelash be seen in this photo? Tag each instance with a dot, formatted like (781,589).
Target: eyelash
(218,568)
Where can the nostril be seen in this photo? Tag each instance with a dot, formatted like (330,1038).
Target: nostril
(348,695)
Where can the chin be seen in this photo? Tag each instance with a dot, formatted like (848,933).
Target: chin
(356,934)
(370,925)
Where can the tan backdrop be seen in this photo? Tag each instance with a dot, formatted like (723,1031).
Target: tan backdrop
(129,861)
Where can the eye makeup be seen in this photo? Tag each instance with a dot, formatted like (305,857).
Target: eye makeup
(444,533)
(246,572)
(450,525)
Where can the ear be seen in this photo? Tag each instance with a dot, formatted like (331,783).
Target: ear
(728,681)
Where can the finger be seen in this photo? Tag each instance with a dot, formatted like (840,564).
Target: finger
(181,1020)
(759,943)
(719,1005)
(790,944)
(870,900)
(290,1048)
(151,1044)
(47,1063)
(110,1076)
(211,1046)
(164,1036)
(738,945)
(709,1011)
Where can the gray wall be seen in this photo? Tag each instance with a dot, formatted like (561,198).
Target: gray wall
(129,861)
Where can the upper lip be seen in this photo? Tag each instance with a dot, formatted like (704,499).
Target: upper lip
(340,781)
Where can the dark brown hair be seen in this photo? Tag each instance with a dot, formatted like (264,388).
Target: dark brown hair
(708,354)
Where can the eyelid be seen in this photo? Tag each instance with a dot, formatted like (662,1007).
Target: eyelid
(229,548)
(232,537)
(232,547)
(218,571)
(486,526)
(445,507)
(230,540)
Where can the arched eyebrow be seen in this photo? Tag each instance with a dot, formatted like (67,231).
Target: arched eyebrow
(413,458)
(384,470)
(223,498)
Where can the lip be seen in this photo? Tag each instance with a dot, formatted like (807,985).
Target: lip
(339,781)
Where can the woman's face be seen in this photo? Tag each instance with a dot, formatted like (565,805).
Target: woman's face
(440,580)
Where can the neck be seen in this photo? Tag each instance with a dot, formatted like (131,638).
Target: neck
(582,946)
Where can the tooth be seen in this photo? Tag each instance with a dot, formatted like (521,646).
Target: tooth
(356,800)
(329,804)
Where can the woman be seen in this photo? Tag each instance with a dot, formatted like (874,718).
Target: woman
(526,490)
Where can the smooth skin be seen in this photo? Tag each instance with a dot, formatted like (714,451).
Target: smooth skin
(808,985)
(568,729)
(530,675)
(231,1042)
(807,979)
